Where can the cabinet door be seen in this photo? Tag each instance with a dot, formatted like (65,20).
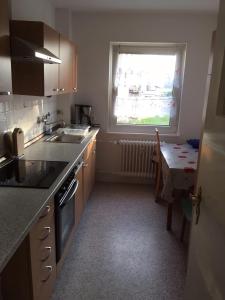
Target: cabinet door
(89,169)
(51,71)
(5,61)
(66,52)
(75,60)
(87,179)
(93,164)
(79,203)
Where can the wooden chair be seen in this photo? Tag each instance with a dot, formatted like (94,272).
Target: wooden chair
(158,161)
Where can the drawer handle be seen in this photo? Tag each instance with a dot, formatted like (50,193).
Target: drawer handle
(85,165)
(49,268)
(49,250)
(47,230)
(46,212)
(62,90)
(55,90)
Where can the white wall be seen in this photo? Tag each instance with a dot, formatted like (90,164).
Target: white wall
(33,10)
(93,32)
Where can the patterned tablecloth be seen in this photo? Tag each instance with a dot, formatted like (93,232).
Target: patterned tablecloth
(179,165)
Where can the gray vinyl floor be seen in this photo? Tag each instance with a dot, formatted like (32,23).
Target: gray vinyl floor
(121,249)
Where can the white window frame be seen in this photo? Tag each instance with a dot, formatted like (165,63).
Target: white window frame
(148,48)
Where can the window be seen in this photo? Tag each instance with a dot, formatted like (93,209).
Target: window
(145,87)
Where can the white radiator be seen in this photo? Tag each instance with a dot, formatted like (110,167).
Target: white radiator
(136,158)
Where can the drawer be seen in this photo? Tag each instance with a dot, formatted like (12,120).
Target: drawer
(42,240)
(42,254)
(44,274)
(43,261)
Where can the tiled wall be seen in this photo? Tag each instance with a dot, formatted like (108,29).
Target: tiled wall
(22,111)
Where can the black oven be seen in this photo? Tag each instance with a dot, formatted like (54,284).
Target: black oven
(65,212)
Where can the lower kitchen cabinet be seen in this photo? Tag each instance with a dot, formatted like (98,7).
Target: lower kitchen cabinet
(89,170)
(31,273)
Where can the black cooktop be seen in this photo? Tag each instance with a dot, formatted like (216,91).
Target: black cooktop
(30,173)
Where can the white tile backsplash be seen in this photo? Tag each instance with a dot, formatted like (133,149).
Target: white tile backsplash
(23,111)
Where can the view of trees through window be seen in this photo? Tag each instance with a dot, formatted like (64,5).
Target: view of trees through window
(144,84)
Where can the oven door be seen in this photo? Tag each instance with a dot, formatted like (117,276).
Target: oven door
(65,218)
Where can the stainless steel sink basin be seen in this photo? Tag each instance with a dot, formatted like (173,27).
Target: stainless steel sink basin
(66,138)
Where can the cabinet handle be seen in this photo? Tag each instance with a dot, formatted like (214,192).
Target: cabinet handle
(85,165)
(62,90)
(55,90)
(47,230)
(3,93)
(46,212)
(48,253)
(49,268)
(75,89)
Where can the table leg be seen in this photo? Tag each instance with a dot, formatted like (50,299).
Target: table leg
(169,216)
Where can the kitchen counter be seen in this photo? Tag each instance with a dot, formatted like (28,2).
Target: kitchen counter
(20,207)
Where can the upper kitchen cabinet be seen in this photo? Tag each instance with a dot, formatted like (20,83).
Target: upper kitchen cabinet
(5,61)
(65,69)
(47,68)
(75,61)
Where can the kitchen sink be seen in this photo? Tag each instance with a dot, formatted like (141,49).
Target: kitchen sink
(74,134)
(66,138)
(73,129)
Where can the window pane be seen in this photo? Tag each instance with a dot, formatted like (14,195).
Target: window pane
(144,89)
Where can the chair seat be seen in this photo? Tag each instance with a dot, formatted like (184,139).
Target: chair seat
(187,208)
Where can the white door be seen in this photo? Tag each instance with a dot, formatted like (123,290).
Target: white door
(206,266)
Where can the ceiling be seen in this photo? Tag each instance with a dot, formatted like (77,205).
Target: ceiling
(139,5)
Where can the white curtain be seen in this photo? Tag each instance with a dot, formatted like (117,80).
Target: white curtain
(177,83)
(115,61)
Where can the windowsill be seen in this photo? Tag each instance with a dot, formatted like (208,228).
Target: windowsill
(142,133)
(142,130)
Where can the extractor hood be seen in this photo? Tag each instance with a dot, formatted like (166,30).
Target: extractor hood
(25,51)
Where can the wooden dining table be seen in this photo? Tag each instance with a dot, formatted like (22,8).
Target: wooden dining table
(179,168)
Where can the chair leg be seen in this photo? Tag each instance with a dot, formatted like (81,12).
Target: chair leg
(169,216)
(158,184)
(184,222)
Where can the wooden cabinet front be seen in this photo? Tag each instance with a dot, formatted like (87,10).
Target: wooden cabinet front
(89,170)
(75,66)
(31,272)
(79,202)
(42,254)
(5,60)
(51,71)
(66,67)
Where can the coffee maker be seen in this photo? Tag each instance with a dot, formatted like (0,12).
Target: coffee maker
(82,114)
